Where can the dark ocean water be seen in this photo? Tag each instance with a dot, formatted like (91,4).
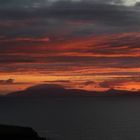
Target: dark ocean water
(97,118)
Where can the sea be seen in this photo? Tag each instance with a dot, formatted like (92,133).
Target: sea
(86,118)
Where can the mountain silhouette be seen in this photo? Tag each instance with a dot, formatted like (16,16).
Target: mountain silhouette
(49,90)
(53,90)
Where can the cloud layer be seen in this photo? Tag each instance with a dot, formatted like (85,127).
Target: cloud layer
(71,40)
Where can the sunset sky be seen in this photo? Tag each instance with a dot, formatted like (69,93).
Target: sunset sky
(82,44)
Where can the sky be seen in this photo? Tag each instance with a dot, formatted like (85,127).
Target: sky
(82,44)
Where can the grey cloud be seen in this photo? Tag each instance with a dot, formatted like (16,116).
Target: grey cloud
(112,83)
(118,81)
(87,83)
(7,82)
(98,13)
(58,81)
(84,10)
(11,81)
(49,19)
(23,2)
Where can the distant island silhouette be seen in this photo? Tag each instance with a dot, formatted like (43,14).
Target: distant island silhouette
(53,90)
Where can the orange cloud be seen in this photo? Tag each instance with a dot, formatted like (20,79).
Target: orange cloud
(97,58)
(25,39)
(115,45)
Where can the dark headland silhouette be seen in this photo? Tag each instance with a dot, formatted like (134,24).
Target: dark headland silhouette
(8,132)
(52,90)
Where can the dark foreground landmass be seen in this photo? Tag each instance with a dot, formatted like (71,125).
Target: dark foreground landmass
(8,132)
(45,91)
(18,133)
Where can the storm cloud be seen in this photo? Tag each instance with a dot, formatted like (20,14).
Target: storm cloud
(41,17)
